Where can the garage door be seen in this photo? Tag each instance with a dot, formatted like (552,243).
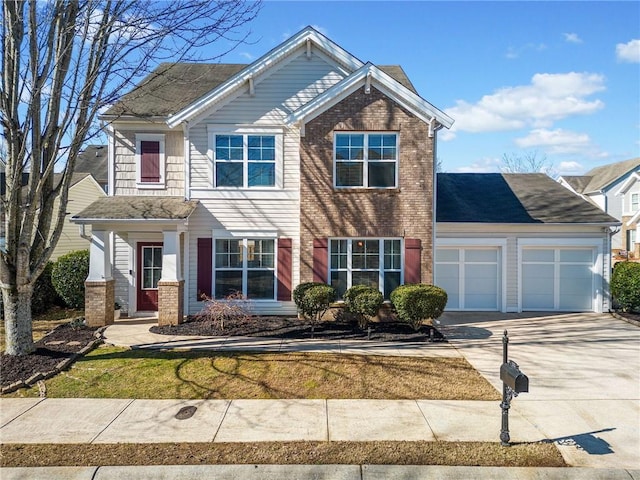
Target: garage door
(558,279)
(470,276)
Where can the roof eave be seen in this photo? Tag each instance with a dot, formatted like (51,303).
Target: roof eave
(262,64)
(391,87)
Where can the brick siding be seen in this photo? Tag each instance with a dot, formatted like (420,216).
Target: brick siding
(170,302)
(99,302)
(406,211)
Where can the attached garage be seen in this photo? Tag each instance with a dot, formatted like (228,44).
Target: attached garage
(471,275)
(520,242)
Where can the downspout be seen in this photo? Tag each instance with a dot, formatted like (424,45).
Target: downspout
(433,130)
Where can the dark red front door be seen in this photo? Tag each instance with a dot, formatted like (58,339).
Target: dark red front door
(149,272)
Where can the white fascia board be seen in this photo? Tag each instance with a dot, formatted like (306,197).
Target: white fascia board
(634,219)
(263,63)
(385,83)
(633,178)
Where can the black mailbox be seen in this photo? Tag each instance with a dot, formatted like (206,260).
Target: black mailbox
(511,375)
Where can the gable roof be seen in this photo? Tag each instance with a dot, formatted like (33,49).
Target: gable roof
(577,182)
(603,176)
(93,160)
(520,198)
(628,183)
(370,74)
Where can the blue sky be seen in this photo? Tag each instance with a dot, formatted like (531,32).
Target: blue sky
(558,78)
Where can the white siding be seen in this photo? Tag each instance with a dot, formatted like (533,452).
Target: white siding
(514,234)
(81,195)
(121,264)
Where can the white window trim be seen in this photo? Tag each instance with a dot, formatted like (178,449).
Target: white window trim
(365,160)
(381,268)
(150,137)
(566,243)
(245,268)
(277,132)
(631,210)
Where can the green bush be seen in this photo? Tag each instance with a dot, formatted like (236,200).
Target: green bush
(363,302)
(300,290)
(44,295)
(316,300)
(415,303)
(625,285)
(68,276)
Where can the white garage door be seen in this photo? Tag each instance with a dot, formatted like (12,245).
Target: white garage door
(470,276)
(558,279)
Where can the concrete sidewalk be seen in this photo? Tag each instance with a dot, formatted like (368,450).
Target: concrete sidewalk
(317,472)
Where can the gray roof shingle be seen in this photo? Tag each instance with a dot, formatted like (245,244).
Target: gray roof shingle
(511,198)
(603,176)
(138,208)
(173,86)
(93,160)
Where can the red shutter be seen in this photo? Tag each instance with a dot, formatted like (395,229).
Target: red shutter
(412,253)
(320,259)
(149,162)
(204,267)
(284,269)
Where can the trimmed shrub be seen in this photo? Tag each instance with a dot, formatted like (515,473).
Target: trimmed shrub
(415,303)
(300,290)
(363,302)
(625,285)
(68,276)
(316,300)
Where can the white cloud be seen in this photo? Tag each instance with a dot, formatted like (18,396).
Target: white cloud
(247,55)
(485,165)
(570,168)
(572,38)
(515,52)
(556,141)
(628,52)
(548,98)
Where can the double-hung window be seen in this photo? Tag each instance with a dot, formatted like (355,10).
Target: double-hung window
(635,202)
(246,159)
(246,266)
(150,160)
(366,261)
(366,160)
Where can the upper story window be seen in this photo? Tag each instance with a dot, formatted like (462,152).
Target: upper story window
(366,160)
(150,160)
(247,159)
(635,202)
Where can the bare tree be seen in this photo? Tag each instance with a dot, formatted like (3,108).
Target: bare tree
(62,62)
(527,162)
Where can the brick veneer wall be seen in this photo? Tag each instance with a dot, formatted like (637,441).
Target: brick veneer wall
(403,212)
(170,302)
(99,302)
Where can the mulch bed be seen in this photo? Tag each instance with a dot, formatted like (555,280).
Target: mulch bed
(63,343)
(294,328)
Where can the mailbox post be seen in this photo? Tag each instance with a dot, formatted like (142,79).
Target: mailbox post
(513,383)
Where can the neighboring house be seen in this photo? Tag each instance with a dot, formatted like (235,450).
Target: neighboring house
(601,185)
(629,192)
(93,160)
(83,191)
(311,165)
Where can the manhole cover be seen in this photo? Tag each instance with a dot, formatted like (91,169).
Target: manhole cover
(186,412)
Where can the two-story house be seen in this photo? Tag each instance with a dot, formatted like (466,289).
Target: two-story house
(629,192)
(306,165)
(606,187)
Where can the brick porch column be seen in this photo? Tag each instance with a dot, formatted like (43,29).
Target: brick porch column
(99,298)
(170,302)
(171,285)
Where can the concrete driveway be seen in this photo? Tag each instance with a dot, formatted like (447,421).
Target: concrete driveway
(584,378)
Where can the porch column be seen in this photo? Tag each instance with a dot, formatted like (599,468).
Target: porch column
(99,297)
(171,285)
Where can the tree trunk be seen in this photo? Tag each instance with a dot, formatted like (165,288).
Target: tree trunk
(17,320)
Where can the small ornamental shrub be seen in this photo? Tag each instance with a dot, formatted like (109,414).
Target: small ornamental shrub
(415,303)
(625,285)
(300,290)
(315,301)
(233,307)
(68,276)
(363,302)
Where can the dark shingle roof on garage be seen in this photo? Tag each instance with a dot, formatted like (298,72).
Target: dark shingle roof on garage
(512,198)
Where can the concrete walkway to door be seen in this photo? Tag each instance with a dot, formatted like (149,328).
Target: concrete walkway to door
(584,377)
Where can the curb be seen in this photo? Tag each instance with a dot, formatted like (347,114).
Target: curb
(62,365)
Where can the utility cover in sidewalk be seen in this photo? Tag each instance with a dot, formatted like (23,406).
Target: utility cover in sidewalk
(186,412)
